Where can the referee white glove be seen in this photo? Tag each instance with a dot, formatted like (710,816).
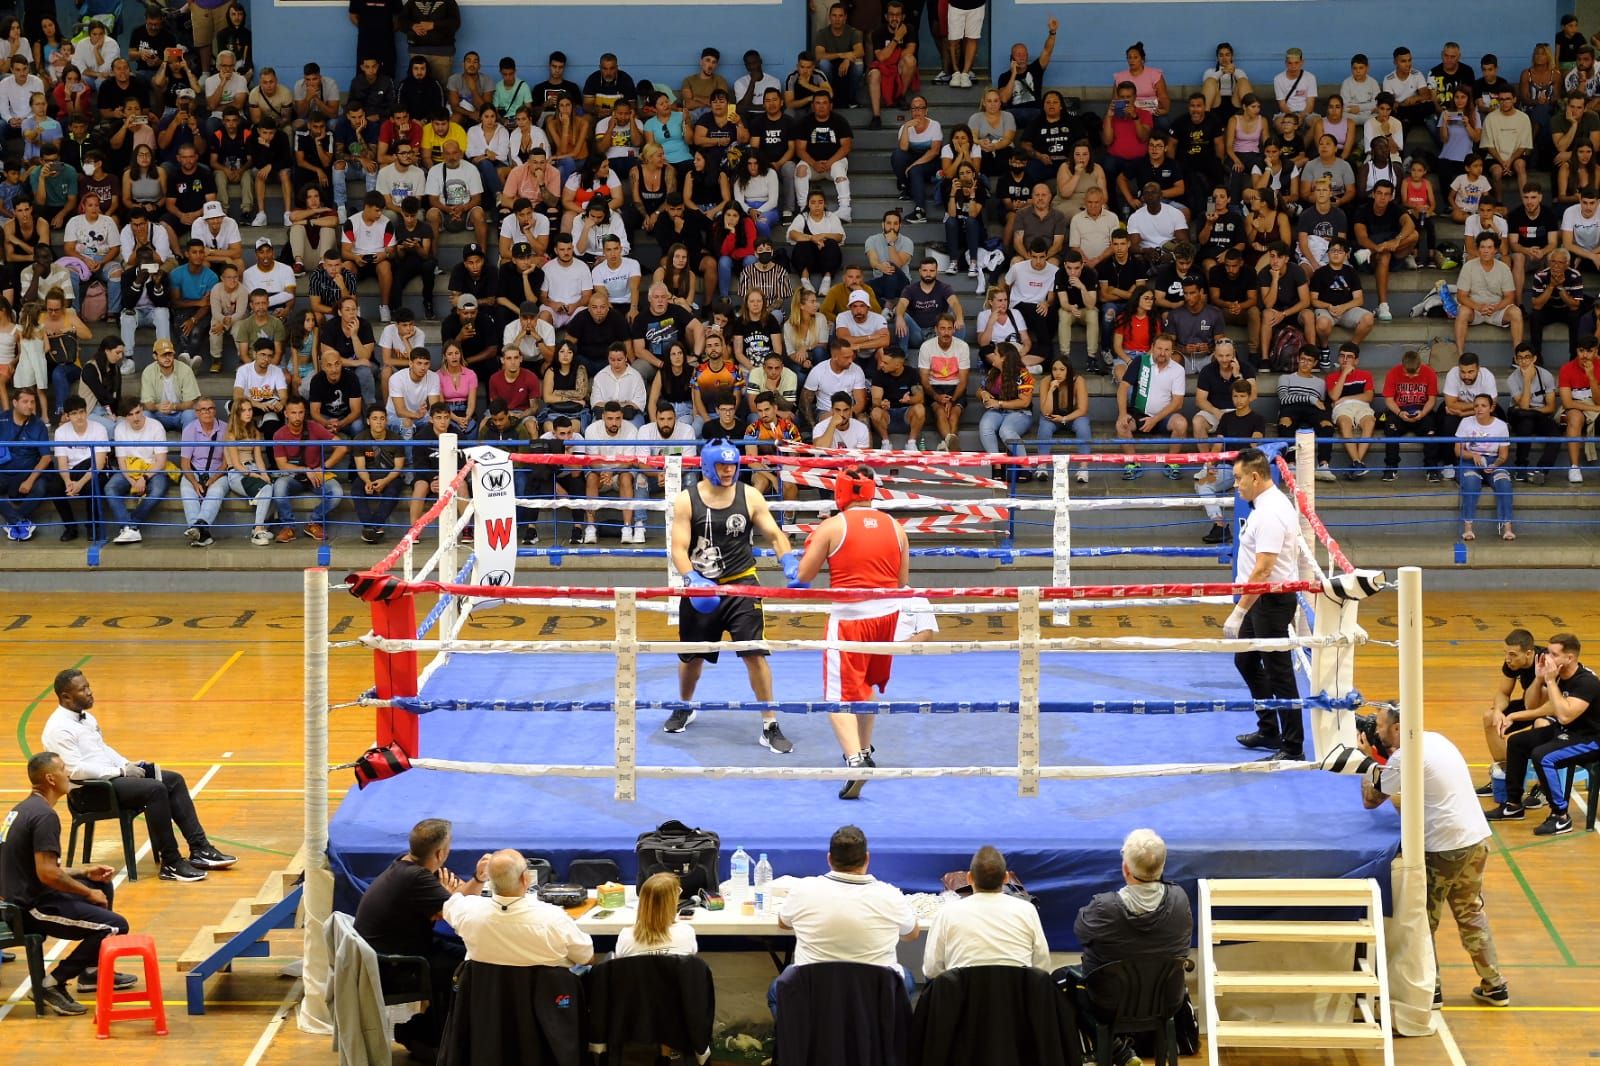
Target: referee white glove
(133,769)
(1230,628)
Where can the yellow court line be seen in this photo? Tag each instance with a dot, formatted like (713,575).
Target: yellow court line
(217,676)
(1524,1010)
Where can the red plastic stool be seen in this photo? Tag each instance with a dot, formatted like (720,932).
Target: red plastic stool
(106,996)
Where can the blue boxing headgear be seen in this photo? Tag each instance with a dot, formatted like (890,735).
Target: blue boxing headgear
(718,453)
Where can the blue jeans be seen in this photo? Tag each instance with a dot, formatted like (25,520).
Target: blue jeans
(968,229)
(1110,311)
(765,216)
(491,182)
(1221,486)
(15,505)
(175,421)
(846,82)
(135,318)
(914,178)
(110,275)
(198,508)
(725,265)
(1078,427)
(64,378)
(354,168)
(285,487)
(889,287)
(156,486)
(1472,478)
(998,430)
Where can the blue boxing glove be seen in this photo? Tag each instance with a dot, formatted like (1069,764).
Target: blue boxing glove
(703,604)
(799,584)
(790,561)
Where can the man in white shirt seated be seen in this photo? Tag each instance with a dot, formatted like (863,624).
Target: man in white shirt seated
(846,915)
(141,472)
(666,427)
(1157,223)
(621,383)
(74,734)
(611,426)
(987,928)
(513,927)
(840,429)
(839,374)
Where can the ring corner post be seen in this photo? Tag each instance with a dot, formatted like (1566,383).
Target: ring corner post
(449,534)
(626,695)
(1411,712)
(671,485)
(1408,943)
(1029,679)
(1061,533)
(317,900)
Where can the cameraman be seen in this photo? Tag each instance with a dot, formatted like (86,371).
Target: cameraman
(1562,693)
(1455,843)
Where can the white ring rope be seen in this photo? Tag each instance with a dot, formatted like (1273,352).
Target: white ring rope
(1015,503)
(941,608)
(841,773)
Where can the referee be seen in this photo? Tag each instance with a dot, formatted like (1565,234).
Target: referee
(1268,551)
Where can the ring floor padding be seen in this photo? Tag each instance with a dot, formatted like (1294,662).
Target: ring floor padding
(1064,844)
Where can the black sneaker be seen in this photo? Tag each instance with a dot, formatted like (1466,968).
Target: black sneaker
(1485,789)
(678,721)
(876,123)
(369,535)
(59,1001)
(1507,812)
(209,858)
(1554,825)
(903,195)
(1391,475)
(1499,996)
(181,870)
(773,740)
(1434,477)
(1438,995)
(1357,471)
(1217,535)
(917,215)
(205,540)
(530,536)
(852,788)
(1534,798)
(89,983)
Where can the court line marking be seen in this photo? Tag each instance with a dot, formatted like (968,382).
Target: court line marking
(264,1041)
(27,713)
(54,954)
(1533,900)
(1448,1039)
(1525,1010)
(214,678)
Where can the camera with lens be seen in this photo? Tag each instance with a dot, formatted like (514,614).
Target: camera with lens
(1367,726)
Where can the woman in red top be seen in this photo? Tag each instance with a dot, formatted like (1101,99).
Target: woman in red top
(864,548)
(733,240)
(1136,327)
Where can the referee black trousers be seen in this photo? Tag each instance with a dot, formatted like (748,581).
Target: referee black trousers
(163,802)
(74,918)
(1270,674)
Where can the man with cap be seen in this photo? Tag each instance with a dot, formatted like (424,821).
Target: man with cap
(474,331)
(220,236)
(520,281)
(274,278)
(529,334)
(863,548)
(713,525)
(865,330)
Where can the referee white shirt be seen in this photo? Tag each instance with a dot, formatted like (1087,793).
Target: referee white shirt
(1273,527)
(76,737)
(517,931)
(841,917)
(985,929)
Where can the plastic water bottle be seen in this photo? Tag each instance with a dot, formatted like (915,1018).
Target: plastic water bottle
(740,877)
(763,878)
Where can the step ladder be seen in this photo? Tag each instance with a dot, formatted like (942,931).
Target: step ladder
(243,933)
(1367,981)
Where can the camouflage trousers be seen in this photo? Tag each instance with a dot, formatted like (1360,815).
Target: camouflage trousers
(1455,880)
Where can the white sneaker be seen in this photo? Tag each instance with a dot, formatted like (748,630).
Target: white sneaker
(128,369)
(589,536)
(1082,476)
(638,532)
(287,220)
(1201,474)
(260,219)
(913,445)
(188,357)
(383,313)
(943,446)
(1325,472)
(1574,476)
(827,280)
(342,215)
(1449,473)
(626,536)
(1384,314)
(886,445)
(844,216)
(129,535)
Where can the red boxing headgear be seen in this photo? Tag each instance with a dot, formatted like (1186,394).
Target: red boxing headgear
(854,484)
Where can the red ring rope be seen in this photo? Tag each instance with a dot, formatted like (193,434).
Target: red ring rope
(384,565)
(1309,513)
(882,458)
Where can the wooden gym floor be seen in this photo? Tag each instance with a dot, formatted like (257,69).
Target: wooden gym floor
(210,685)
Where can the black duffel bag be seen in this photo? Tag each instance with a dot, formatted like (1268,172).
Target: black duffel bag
(675,848)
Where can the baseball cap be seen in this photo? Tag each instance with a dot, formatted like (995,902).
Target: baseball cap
(263,242)
(472,250)
(521,248)
(529,309)
(212,209)
(860,296)
(163,347)
(182,93)
(466,300)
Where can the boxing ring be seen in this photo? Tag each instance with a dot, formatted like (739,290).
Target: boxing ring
(1048,745)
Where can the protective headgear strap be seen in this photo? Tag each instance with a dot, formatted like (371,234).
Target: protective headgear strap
(854,484)
(718,453)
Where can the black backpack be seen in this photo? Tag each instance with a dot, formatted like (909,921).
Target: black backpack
(674,848)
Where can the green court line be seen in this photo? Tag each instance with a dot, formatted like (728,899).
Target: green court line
(252,847)
(1533,900)
(1543,843)
(27,713)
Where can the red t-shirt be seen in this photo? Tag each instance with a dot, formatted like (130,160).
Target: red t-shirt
(1358,382)
(518,395)
(291,446)
(1410,392)
(1580,381)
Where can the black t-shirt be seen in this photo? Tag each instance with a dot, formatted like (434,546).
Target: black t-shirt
(233,151)
(1525,676)
(111,96)
(1055,139)
(594,338)
(308,144)
(1166,175)
(484,334)
(659,331)
(395,914)
(1532,232)
(770,137)
(157,43)
(1216,389)
(1288,288)
(1197,151)
(1227,231)
(1030,87)
(1014,187)
(31,826)
(421,459)
(1335,286)
(1582,685)
(1068,293)
(1167,281)
(332,336)
(518,287)
(757,337)
(1235,426)
(824,137)
(1234,289)
(485,286)
(896,387)
(695,236)
(720,138)
(421,231)
(1444,84)
(923,307)
(1121,275)
(380,457)
(274,155)
(621,86)
(1380,228)
(334,396)
(190,190)
(547,92)
(1329,224)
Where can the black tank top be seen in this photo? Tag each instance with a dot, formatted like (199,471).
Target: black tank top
(650,199)
(720,538)
(677,387)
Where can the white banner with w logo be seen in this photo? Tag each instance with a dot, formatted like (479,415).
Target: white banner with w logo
(494,510)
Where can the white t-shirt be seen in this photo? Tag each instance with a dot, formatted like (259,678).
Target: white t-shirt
(1030,286)
(1008,329)
(824,380)
(1407,87)
(846,321)
(511,228)
(567,284)
(226,236)
(71,443)
(517,931)
(1272,526)
(852,436)
(1373,129)
(597,431)
(1484,440)
(414,394)
(1166,383)
(364,238)
(397,186)
(1455,388)
(149,443)
(944,365)
(626,388)
(680,431)
(157,240)
(1454,817)
(985,929)
(1297,92)
(234,92)
(544,331)
(454,186)
(1160,228)
(1469,191)
(94,238)
(615,279)
(264,385)
(390,338)
(278,282)
(680,941)
(1585,230)
(847,918)
(499,145)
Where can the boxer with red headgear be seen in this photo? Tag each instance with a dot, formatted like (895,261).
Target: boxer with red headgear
(863,548)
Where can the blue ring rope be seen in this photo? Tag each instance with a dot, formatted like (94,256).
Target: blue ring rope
(438,608)
(1353,701)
